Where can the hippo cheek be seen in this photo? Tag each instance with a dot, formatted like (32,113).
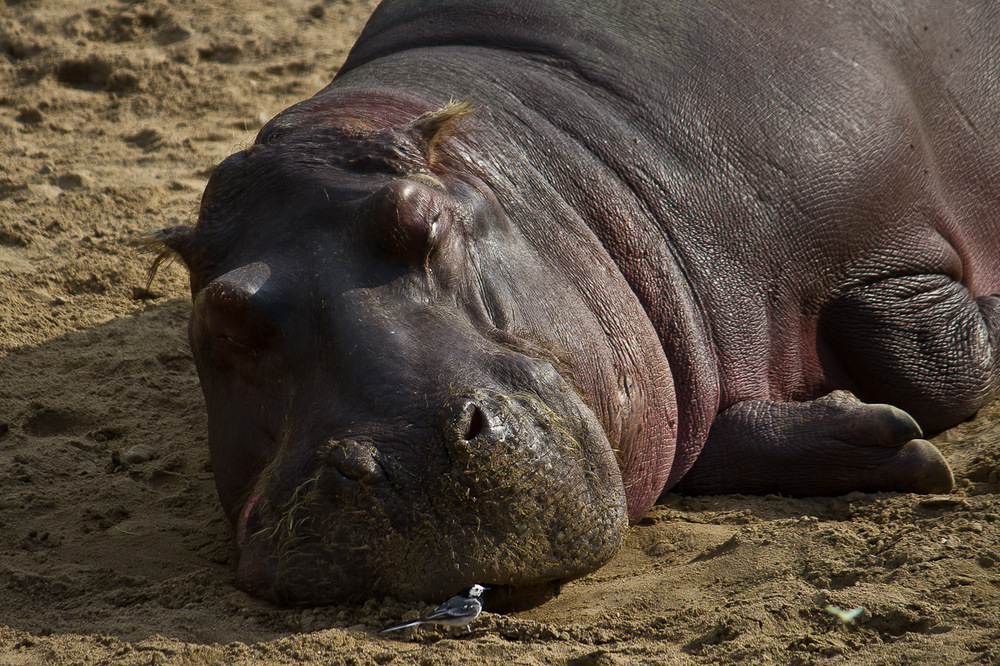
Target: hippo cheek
(503,491)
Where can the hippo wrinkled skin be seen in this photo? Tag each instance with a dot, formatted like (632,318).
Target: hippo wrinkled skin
(522,267)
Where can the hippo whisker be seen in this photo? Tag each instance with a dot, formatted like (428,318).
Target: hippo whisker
(288,525)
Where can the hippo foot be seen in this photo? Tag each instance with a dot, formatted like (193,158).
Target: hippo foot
(831,446)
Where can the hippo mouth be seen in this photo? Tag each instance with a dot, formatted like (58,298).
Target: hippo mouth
(502,490)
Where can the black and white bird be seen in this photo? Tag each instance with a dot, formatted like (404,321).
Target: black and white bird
(458,611)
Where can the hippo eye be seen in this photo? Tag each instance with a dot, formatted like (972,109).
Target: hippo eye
(406,218)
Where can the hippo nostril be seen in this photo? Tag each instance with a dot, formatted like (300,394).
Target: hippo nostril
(354,460)
(475,422)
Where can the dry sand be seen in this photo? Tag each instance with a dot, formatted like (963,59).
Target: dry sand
(114,548)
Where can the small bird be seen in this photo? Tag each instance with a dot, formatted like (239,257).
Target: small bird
(458,611)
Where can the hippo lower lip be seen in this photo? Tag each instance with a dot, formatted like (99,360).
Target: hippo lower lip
(255,566)
(245,531)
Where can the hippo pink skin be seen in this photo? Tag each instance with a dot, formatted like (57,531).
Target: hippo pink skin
(709,247)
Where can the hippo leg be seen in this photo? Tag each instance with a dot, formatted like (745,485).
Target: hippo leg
(919,342)
(830,446)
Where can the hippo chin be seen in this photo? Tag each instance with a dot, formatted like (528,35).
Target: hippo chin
(713,249)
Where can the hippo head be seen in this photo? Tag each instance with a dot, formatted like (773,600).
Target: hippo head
(386,415)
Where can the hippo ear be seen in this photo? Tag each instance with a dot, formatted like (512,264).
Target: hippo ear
(407,218)
(169,243)
(434,127)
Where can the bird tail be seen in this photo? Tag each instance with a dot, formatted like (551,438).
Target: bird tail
(402,626)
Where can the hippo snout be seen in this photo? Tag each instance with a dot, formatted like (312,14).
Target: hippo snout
(495,488)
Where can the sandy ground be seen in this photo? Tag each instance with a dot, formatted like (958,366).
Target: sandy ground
(113,548)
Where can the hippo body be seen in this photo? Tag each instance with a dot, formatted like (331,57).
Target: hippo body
(712,247)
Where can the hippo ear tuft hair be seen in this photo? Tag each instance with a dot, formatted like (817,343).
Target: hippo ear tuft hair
(434,127)
(169,243)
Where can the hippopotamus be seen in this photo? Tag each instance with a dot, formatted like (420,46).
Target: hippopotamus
(465,314)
